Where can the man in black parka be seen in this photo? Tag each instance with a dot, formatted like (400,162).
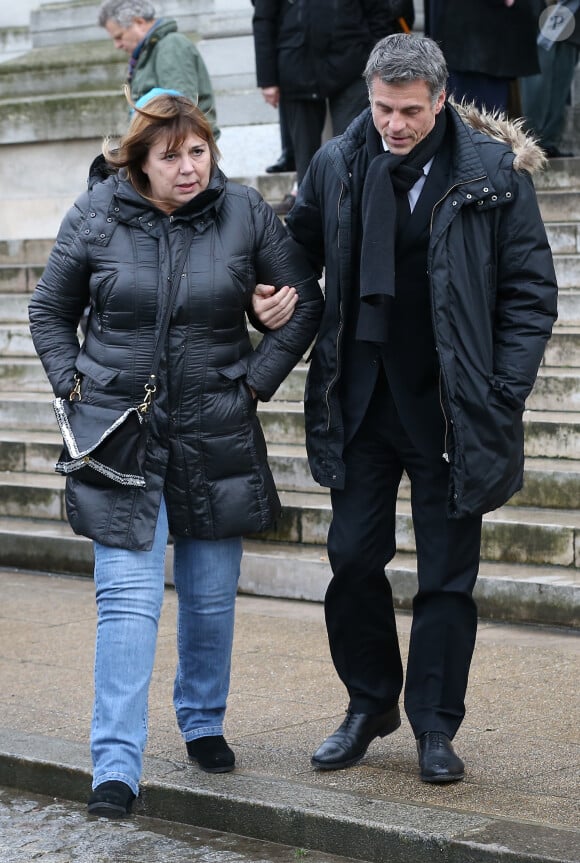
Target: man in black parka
(440,296)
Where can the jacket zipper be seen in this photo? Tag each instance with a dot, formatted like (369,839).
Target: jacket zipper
(446,420)
(340,326)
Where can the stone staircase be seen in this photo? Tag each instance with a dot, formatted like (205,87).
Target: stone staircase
(531,547)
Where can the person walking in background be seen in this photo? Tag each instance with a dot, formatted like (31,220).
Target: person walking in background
(546,96)
(286,161)
(207,479)
(159,56)
(487,44)
(440,295)
(311,54)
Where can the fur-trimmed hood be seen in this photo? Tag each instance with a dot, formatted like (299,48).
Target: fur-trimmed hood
(529,156)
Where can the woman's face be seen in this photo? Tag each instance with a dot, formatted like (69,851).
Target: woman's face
(176,176)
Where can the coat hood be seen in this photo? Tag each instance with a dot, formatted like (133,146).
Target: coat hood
(529,156)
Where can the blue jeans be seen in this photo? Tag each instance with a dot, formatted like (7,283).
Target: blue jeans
(130,586)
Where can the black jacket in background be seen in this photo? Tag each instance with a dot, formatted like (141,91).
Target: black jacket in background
(313,49)
(486,36)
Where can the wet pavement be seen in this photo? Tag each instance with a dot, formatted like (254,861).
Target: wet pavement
(520,739)
(45,829)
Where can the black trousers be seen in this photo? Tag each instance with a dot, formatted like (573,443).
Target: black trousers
(306,119)
(358,604)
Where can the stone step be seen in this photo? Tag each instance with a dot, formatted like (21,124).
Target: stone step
(32,253)
(563,237)
(560,205)
(24,374)
(503,591)
(560,174)
(556,390)
(568,307)
(62,22)
(563,349)
(552,483)
(511,534)
(513,592)
(567,269)
(552,435)
(19,279)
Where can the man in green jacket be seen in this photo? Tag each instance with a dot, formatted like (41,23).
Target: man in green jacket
(159,56)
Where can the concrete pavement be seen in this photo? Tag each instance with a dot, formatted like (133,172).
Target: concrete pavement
(520,740)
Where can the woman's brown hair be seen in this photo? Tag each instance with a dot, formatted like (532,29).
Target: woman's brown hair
(173,116)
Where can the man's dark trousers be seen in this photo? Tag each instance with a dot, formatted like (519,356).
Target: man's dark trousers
(359,608)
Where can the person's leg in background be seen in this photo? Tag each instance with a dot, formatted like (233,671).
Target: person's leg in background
(206,577)
(347,105)
(488,93)
(286,161)
(129,593)
(545,96)
(305,124)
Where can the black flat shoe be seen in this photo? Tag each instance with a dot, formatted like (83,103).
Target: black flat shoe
(351,740)
(212,754)
(112,799)
(437,759)
(281,166)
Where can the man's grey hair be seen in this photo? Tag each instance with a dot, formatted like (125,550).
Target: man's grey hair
(124,11)
(405,57)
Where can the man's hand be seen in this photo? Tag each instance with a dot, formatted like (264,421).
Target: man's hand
(271,95)
(274,308)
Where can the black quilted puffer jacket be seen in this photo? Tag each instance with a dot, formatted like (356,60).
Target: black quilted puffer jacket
(206,451)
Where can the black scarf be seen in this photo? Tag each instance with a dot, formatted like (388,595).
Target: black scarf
(384,201)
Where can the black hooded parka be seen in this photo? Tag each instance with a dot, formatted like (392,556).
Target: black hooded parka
(493,299)
(206,451)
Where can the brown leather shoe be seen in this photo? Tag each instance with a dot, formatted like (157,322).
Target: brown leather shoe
(437,759)
(351,739)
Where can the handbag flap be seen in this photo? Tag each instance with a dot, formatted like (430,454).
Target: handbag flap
(84,426)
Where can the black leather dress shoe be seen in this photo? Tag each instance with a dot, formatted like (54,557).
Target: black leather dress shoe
(281,166)
(437,759)
(212,754)
(111,799)
(351,740)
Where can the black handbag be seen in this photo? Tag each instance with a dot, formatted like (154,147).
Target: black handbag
(102,446)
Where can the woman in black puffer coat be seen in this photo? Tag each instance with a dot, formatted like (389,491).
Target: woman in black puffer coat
(206,473)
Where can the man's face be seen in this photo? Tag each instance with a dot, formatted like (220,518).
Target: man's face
(403,113)
(127,38)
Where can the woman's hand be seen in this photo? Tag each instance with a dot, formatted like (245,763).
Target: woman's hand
(274,308)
